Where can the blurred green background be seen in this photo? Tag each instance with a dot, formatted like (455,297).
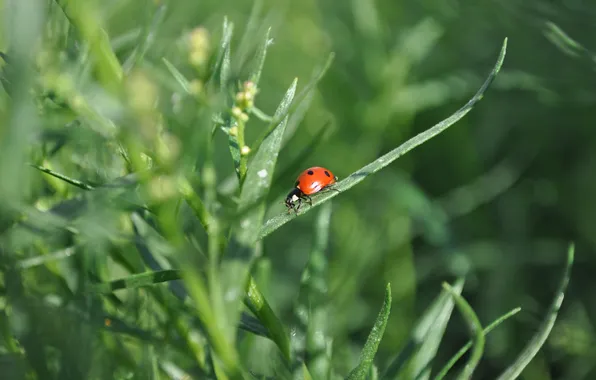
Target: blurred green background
(497,197)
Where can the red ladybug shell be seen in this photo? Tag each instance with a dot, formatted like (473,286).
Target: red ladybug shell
(314,179)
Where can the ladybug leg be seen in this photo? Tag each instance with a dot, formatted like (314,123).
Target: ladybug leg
(330,188)
(299,201)
(308,200)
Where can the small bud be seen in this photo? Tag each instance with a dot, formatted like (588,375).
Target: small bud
(245,150)
(237,112)
(240,98)
(199,47)
(249,86)
(196,87)
(248,96)
(233,131)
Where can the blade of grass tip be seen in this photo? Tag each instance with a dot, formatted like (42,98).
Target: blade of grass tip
(226,38)
(306,372)
(360,372)
(465,348)
(562,40)
(540,337)
(255,76)
(277,117)
(475,328)
(383,161)
(226,65)
(178,76)
(241,250)
(426,336)
(255,301)
(146,38)
(298,114)
(316,78)
(249,35)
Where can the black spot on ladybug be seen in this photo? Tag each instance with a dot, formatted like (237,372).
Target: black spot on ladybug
(310,172)
(327,173)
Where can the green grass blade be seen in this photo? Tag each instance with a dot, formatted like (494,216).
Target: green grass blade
(146,38)
(226,64)
(137,281)
(255,301)
(361,371)
(425,338)
(468,345)
(311,336)
(475,328)
(250,33)
(306,372)
(224,46)
(178,76)
(355,178)
(72,181)
(540,337)
(255,76)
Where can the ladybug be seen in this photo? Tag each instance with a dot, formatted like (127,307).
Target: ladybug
(310,181)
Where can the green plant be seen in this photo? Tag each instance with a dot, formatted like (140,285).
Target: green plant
(146,208)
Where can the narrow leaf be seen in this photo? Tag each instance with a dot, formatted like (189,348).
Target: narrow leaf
(146,38)
(425,338)
(311,337)
(178,76)
(255,76)
(72,181)
(137,281)
(255,301)
(383,161)
(540,337)
(475,328)
(372,343)
(465,348)
(224,45)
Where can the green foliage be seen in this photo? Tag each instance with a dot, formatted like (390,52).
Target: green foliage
(145,150)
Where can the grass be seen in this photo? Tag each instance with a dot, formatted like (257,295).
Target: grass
(121,256)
